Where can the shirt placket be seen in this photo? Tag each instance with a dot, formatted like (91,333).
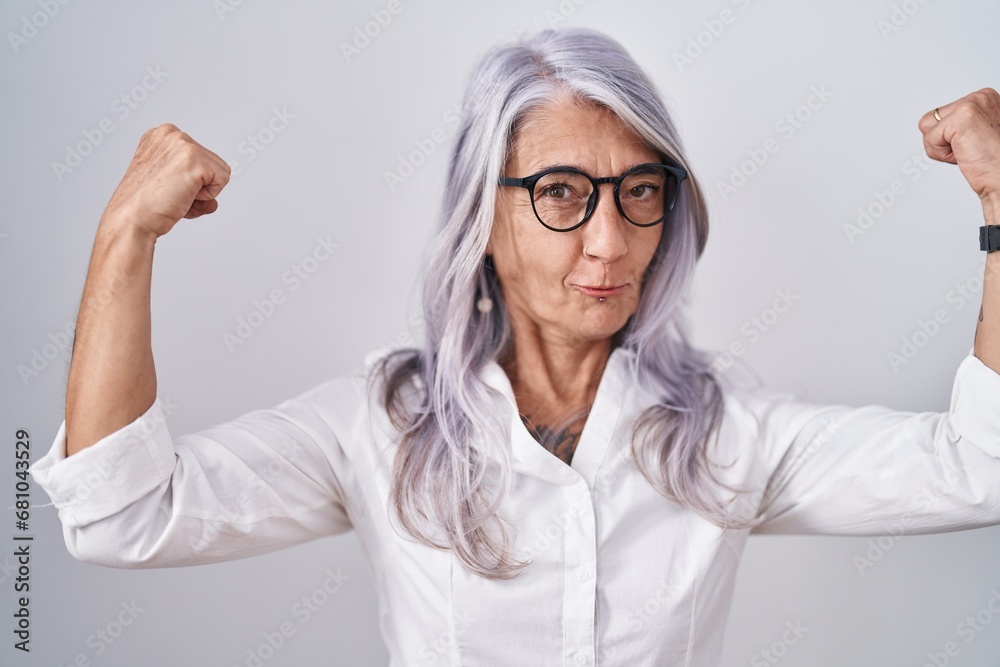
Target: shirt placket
(580,537)
(580,584)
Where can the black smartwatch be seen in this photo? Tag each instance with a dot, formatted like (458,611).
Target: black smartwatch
(989,238)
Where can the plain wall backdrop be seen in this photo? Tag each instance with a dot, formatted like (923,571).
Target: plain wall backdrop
(90,78)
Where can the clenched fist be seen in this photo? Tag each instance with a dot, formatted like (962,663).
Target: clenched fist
(966,132)
(171,176)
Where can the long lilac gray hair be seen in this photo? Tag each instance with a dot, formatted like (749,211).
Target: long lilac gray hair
(452,470)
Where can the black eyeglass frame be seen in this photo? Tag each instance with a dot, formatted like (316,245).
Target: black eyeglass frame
(528,182)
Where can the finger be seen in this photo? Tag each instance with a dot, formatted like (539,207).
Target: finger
(223,165)
(212,189)
(928,122)
(938,147)
(215,172)
(222,173)
(937,134)
(212,155)
(214,178)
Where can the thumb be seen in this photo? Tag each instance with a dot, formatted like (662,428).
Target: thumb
(200,207)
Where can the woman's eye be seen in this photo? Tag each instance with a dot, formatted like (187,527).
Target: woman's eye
(639,191)
(555,191)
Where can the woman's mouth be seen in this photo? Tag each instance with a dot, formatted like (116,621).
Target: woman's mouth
(592,290)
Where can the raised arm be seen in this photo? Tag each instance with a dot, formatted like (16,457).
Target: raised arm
(867,470)
(128,493)
(112,380)
(966,133)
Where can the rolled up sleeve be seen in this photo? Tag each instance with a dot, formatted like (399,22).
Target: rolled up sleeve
(845,470)
(142,498)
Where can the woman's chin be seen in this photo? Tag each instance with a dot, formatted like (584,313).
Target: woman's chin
(593,327)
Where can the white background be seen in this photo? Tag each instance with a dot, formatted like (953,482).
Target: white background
(324,174)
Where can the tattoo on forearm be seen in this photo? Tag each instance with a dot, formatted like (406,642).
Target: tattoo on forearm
(980,313)
(562,443)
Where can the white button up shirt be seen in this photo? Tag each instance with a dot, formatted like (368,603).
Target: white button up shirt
(621,575)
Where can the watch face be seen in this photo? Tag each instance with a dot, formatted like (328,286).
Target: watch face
(989,238)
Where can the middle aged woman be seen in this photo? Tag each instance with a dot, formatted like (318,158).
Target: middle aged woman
(572,226)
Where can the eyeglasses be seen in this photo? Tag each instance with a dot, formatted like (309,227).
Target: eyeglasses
(564,198)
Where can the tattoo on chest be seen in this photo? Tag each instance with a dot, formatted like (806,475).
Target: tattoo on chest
(561,443)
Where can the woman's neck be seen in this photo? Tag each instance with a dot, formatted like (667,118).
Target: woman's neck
(554,386)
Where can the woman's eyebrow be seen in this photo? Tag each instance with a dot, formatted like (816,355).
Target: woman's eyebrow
(543,167)
(552,165)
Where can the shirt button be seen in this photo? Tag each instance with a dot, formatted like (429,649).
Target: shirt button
(584,574)
(582,658)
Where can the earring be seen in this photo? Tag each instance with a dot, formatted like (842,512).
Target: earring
(485,303)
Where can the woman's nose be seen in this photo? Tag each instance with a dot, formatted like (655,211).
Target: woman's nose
(604,231)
